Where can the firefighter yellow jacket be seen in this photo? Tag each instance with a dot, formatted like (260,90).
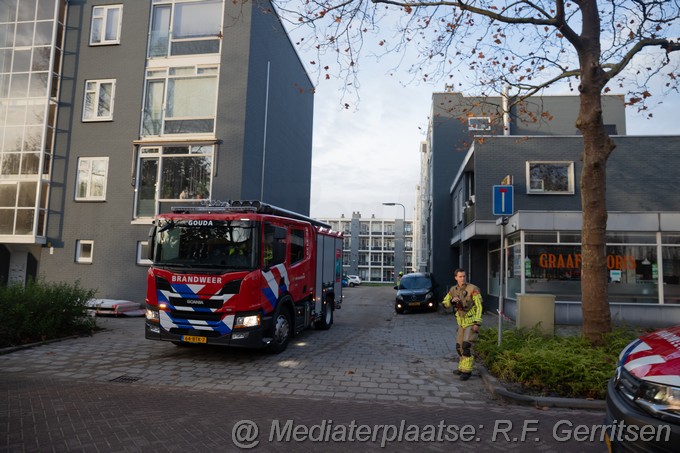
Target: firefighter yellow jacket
(469,309)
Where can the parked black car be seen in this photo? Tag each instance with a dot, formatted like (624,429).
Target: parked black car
(416,291)
(643,399)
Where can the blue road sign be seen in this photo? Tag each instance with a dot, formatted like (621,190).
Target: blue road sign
(502,200)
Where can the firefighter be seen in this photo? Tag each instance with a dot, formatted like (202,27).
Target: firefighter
(468,307)
(401,274)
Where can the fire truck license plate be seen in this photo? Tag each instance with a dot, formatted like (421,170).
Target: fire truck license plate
(194,339)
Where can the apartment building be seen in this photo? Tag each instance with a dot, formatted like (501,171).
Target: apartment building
(114,111)
(376,249)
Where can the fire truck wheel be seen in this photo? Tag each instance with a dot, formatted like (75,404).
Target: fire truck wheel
(326,316)
(281,330)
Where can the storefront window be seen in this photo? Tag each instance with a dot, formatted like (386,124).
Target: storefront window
(633,273)
(554,269)
(553,266)
(671,270)
(494,272)
(631,238)
(514,269)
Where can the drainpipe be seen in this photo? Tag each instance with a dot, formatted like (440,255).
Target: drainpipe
(506,113)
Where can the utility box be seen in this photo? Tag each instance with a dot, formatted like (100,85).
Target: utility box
(533,309)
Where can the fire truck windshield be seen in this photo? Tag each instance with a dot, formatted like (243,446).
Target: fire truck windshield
(209,244)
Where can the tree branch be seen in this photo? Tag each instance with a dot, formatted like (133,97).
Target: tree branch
(616,69)
(533,89)
(479,11)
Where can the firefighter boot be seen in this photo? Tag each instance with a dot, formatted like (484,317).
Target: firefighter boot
(465,368)
(459,350)
(466,362)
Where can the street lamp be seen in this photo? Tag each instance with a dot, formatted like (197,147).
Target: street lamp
(403,227)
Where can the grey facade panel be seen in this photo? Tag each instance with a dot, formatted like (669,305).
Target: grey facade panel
(113,271)
(633,182)
(230,127)
(279,87)
(556,115)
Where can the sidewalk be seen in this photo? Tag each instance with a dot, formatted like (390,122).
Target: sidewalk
(426,377)
(118,392)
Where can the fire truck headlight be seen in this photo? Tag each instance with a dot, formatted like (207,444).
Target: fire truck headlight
(247,321)
(152,315)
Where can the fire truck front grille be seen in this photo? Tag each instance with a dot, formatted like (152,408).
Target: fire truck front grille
(202,303)
(199,315)
(202,333)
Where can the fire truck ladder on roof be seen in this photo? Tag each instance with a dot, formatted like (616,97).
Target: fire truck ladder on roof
(254,206)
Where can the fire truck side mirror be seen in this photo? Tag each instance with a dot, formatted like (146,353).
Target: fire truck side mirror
(151,243)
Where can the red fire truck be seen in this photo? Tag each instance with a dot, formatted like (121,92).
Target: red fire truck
(241,273)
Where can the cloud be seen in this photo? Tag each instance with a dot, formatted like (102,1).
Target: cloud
(370,154)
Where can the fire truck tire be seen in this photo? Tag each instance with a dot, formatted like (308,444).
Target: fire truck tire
(281,330)
(326,316)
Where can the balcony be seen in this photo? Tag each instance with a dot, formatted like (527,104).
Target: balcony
(469,215)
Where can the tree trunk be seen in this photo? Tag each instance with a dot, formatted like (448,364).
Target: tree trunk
(596,149)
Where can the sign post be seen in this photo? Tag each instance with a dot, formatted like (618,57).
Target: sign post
(502,206)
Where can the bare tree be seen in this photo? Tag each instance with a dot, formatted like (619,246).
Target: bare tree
(585,45)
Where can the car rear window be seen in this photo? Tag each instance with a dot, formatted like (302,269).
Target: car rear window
(415,283)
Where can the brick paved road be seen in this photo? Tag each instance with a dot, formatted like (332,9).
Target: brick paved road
(117,392)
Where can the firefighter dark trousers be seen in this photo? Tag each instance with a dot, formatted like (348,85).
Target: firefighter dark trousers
(464,341)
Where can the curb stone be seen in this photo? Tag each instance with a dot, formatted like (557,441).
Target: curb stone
(497,390)
(20,347)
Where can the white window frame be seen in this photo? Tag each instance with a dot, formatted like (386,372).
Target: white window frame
(158,154)
(98,85)
(142,260)
(101,12)
(170,36)
(537,186)
(163,106)
(81,256)
(479,123)
(88,196)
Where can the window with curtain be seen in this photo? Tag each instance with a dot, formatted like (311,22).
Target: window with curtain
(180,101)
(185,28)
(182,173)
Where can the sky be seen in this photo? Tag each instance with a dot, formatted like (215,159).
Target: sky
(369,153)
